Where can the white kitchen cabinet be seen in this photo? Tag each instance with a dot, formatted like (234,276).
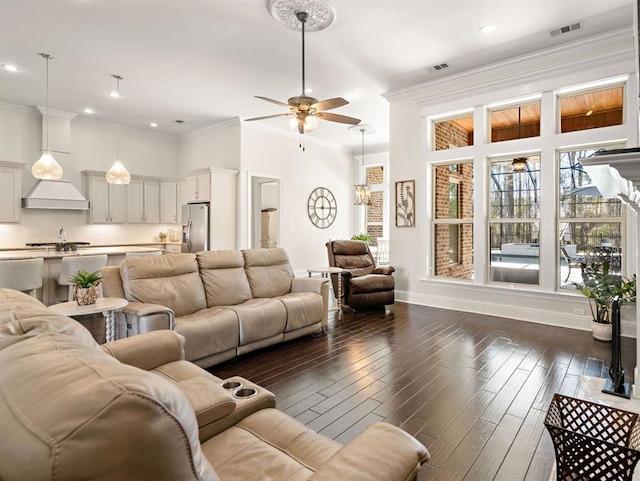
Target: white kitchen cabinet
(107,202)
(182,198)
(10,183)
(135,202)
(199,187)
(143,202)
(152,202)
(168,202)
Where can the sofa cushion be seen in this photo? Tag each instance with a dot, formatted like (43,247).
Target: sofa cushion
(260,319)
(73,412)
(223,276)
(268,271)
(172,281)
(268,445)
(303,309)
(210,330)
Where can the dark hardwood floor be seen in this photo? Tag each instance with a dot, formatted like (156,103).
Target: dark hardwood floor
(474,389)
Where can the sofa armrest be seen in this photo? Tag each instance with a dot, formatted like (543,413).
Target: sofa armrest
(149,350)
(382,452)
(148,317)
(388,270)
(308,284)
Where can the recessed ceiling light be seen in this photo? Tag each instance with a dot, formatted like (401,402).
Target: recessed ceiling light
(308,90)
(87,110)
(10,68)
(114,95)
(487,29)
(153,124)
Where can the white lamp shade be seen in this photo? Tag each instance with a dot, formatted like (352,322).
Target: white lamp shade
(46,167)
(310,123)
(117,174)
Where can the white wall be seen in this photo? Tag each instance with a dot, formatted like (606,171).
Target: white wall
(270,154)
(216,146)
(93,147)
(540,73)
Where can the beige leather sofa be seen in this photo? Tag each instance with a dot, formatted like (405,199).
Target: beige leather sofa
(134,409)
(224,303)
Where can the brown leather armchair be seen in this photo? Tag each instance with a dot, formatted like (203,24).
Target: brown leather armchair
(364,284)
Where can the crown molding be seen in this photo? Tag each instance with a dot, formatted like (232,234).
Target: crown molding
(19,108)
(58,114)
(596,51)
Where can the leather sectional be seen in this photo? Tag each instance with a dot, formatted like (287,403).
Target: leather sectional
(134,409)
(225,303)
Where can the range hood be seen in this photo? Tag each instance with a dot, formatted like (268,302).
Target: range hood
(616,174)
(55,194)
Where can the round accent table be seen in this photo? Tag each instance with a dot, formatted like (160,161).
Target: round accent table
(324,272)
(107,305)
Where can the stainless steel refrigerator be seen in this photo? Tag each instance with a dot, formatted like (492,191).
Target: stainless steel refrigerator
(195,228)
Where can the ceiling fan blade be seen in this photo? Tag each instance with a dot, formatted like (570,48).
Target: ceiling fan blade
(277,102)
(268,117)
(343,119)
(330,104)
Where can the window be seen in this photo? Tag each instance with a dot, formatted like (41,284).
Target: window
(516,122)
(452,133)
(591,109)
(514,221)
(374,224)
(589,225)
(453,219)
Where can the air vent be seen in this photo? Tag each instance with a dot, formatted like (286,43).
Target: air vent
(440,66)
(566,29)
(179,121)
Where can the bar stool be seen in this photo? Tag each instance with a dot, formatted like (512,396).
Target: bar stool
(22,275)
(71,265)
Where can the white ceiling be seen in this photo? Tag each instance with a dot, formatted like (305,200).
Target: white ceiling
(203,61)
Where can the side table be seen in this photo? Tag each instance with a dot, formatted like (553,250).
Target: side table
(107,305)
(325,272)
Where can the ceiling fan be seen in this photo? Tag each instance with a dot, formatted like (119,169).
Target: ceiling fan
(304,109)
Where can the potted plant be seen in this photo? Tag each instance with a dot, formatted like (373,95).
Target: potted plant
(366,238)
(601,287)
(85,286)
(163,236)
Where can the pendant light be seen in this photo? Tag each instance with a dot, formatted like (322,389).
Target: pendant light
(362,192)
(117,174)
(46,167)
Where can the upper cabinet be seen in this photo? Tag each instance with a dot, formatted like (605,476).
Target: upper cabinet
(143,202)
(10,184)
(107,202)
(199,187)
(169,202)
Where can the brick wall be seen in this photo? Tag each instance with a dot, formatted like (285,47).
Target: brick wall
(447,133)
(443,265)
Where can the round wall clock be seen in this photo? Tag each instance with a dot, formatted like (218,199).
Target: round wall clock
(322,207)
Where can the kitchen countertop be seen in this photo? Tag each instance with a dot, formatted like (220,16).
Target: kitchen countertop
(82,251)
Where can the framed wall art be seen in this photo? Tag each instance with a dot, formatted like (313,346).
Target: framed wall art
(405,203)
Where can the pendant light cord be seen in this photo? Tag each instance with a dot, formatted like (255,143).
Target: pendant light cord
(47,58)
(118,120)
(363,172)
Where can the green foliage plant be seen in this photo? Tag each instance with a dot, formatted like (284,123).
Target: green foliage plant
(601,288)
(362,237)
(86,279)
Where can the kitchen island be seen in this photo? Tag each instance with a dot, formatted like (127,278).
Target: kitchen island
(50,293)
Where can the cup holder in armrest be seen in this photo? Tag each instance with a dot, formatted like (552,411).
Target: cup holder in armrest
(230,385)
(244,392)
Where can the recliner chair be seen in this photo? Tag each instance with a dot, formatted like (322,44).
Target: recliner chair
(364,284)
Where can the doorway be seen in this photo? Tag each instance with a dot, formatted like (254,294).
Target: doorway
(265,212)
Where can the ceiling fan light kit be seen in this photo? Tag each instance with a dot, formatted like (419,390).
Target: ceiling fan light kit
(304,111)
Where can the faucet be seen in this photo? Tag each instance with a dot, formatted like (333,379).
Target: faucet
(62,235)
